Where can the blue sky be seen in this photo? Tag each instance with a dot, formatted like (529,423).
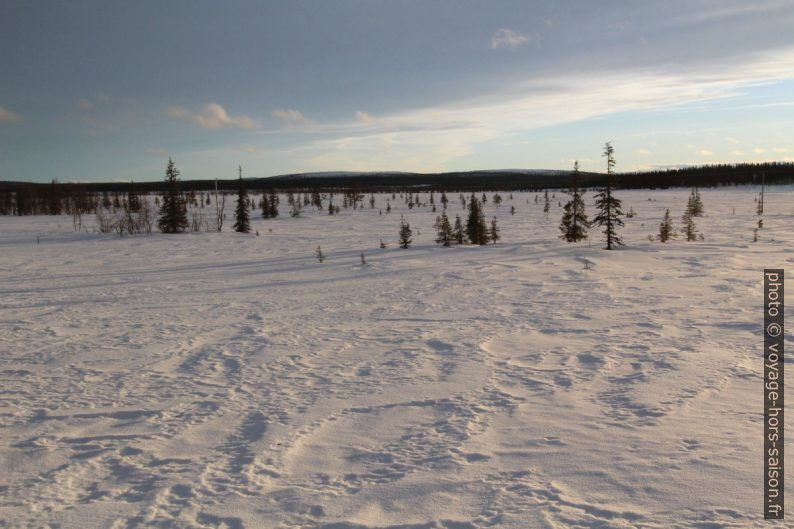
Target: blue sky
(105,90)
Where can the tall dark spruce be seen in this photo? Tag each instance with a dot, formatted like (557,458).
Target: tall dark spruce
(173,210)
(608,206)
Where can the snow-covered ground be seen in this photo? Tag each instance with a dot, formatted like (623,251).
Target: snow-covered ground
(228,380)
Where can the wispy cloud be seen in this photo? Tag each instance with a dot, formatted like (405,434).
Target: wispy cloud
(363,117)
(291,117)
(743,9)
(509,39)
(6,116)
(431,137)
(644,152)
(212,116)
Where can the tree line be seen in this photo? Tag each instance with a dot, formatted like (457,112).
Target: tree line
(131,212)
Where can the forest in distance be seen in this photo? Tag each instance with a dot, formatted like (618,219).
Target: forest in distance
(491,180)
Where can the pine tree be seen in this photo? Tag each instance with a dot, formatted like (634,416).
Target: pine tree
(273,204)
(574,222)
(546,203)
(318,253)
(666,228)
(173,211)
(494,232)
(476,229)
(242,222)
(444,231)
(608,206)
(405,234)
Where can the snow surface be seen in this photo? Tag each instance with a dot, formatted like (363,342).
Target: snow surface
(228,380)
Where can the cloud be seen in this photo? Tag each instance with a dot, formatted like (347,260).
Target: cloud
(741,10)
(363,117)
(435,138)
(759,150)
(156,151)
(507,38)
(249,149)
(778,149)
(291,117)
(732,140)
(6,116)
(737,153)
(643,151)
(212,116)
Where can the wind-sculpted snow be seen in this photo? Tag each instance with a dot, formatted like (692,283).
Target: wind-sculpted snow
(226,380)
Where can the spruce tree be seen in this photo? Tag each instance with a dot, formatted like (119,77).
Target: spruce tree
(689,230)
(546,203)
(494,232)
(666,228)
(444,231)
(476,229)
(458,235)
(608,206)
(696,203)
(405,234)
(173,210)
(265,205)
(574,222)
(242,222)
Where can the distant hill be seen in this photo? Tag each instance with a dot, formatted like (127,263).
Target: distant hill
(480,180)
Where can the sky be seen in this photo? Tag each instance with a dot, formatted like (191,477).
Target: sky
(108,91)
